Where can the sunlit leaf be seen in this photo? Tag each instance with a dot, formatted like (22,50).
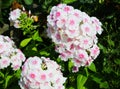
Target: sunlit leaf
(44,53)
(81,79)
(28,2)
(92,67)
(7,80)
(70,65)
(37,37)
(68,1)
(25,42)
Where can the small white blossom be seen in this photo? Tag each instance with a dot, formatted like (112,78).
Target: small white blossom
(15,14)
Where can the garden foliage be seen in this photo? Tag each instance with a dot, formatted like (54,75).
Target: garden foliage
(29,31)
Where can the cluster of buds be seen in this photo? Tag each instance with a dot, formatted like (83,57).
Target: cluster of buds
(74,34)
(9,54)
(41,73)
(15,14)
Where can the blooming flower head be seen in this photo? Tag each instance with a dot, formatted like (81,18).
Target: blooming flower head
(41,73)
(18,16)
(15,14)
(74,33)
(9,54)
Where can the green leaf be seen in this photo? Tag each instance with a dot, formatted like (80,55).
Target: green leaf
(104,85)
(117,61)
(68,1)
(92,67)
(81,80)
(6,3)
(44,53)
(25,42)
(110,42)
(37,37)
(70,65)
(34,48)
(104,49)
(71,88)
(101,1)
(7,80)
(18,73)
(117,1)
(28,2)
(1,75)
(96,78)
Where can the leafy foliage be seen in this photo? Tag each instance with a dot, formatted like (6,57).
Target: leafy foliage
(104,73)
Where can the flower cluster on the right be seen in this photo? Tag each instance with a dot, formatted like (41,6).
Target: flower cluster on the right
(74,34)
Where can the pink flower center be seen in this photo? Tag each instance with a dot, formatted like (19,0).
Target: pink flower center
(85,41)
(72,22)
(66,9)
(85,20)
(69,40)
(34,62)
(5,62)
(63,20)
(43,76)
(14,13)
(1,46)
(72,46)
(97,27)
(76,14)
(16,66)
(95,51)
(50,75)
(57,14)
(58,80)
(77,61)
(32,75)
(63,54)
(87,29)
(81,55)
(72,31)
(58,37)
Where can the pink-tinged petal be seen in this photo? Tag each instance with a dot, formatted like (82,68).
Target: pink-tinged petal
(81,56)
(66,8)
(75,69)
(43,77)
(58,14)
(32,76)
(85,41)
(71,22)
(58,80)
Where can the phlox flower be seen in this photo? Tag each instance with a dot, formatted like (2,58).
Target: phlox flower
(46,76)
(15,14)
(17,24)
(75,35)
(94,51)
(87,29)
(85,42)
(4,62)
(9,54)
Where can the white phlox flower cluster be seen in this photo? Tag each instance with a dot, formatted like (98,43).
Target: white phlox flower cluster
(14,15)
(9,54)
(74,34)
(41,73)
